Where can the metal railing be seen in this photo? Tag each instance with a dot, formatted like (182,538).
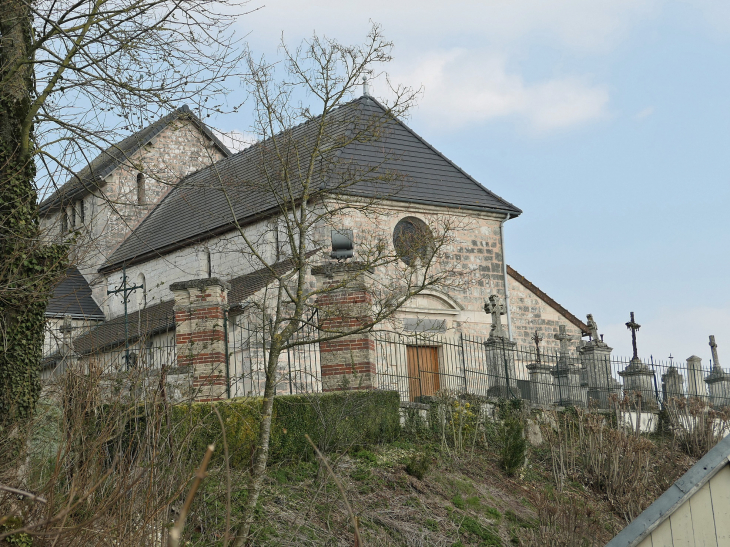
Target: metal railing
(418,366)
(297,368)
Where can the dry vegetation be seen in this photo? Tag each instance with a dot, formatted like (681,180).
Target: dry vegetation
(104,479)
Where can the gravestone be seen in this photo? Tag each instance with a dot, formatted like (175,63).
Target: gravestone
(718,381)
(566,375)
(596,358)
(500,352)
(672,384)
(542,390)
(638,377)
(695,383)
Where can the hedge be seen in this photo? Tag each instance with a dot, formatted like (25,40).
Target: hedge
(334,421)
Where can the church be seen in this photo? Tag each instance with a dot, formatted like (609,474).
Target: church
(170,206)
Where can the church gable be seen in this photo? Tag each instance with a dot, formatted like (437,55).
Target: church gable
(108,198)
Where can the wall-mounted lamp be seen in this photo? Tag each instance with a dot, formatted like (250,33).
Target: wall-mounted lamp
(342,244)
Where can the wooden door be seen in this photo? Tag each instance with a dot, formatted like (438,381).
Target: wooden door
(423,370)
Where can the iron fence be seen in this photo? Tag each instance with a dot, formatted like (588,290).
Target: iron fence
(297,368)
(419,366)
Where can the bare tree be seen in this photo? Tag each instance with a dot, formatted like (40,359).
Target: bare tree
(307,173)
(74,77)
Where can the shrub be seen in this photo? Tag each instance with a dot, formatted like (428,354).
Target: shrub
(418,465)
(512,444)
(334,421)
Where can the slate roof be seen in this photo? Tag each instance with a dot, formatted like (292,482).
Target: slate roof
(72,296)
(677,494)
(91,177)
(206,203)
(547,299)
(161,317)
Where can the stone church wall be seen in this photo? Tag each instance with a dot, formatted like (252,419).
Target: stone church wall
(113,211)
(531,313)
(473,252)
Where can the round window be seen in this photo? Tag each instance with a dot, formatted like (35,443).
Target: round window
(412,238)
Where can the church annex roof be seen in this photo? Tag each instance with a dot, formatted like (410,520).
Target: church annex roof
(207,202)
(160,317)
(91,177)
(514,274)
(684,488)
(72,296)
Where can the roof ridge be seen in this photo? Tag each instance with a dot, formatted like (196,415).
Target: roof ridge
(450,162)
(548,299)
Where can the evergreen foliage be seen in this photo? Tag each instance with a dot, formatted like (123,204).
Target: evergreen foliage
(29,268)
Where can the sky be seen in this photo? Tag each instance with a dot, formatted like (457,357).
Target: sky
(606,121)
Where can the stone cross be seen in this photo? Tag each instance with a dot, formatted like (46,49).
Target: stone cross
(563,337)
(633,326)
(713,347)
(494,307)
(537,339)
(593,328)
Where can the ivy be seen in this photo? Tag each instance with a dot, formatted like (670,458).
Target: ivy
(30,268)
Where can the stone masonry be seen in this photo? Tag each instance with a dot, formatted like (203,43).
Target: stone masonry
(347,362)
(200,314)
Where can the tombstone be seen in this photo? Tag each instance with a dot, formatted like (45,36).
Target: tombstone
(672,384)
(596,358)
(566,375)
(638,378)
(718,381)
(695,382)
(500,352)
(542,389)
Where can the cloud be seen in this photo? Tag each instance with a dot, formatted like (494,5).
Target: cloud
(235,140)
(580,25)
(465,87)
(645,113)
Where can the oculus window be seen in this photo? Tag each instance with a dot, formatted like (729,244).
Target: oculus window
(412,238)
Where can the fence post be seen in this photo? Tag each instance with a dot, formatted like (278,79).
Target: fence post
(347,362)
(200,315)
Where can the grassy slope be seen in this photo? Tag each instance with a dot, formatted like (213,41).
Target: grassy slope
(467,500)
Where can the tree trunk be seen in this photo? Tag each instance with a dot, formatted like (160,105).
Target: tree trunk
(29,268)
(261,457)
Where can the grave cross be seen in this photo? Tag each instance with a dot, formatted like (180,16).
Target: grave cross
(633,326)
(713,347)
(563,337)
(125,290)
(537,339)
(494,307)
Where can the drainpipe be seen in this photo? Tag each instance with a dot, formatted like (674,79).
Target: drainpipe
(504,272)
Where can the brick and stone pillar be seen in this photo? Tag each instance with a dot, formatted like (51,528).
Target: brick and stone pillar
(347,362)
(695,382)
(200,313)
